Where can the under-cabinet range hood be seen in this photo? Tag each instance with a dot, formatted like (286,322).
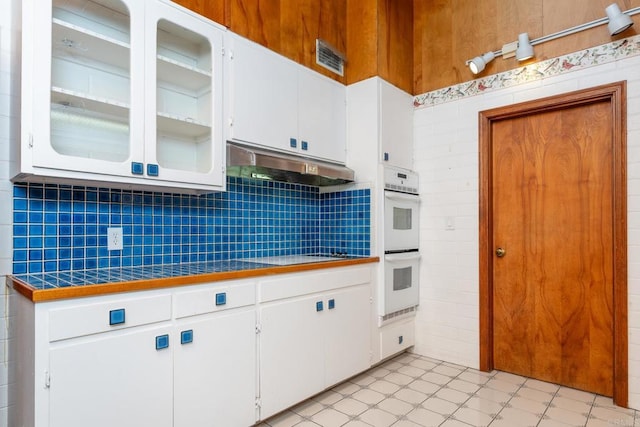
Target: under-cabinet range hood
(250,162)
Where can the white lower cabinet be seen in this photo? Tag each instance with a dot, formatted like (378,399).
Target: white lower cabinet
(111,379)
(315,331)
(291,353)
(217,354)
(348,340)
(215,373)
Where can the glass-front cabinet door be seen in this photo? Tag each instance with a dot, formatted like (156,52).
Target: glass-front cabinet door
(183,89)
(88,90)
(128,91)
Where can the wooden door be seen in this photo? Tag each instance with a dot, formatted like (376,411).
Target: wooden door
(553,200)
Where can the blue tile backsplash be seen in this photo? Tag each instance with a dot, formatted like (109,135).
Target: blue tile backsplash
(64,228)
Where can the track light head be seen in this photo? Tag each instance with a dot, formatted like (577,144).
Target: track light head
(524,50)
(477,64)
(618,21)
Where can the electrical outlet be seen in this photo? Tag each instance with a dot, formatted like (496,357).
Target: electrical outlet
(114,238)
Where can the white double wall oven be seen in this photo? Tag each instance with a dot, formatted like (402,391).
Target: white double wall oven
(401,241)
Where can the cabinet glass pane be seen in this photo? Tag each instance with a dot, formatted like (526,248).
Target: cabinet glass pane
(184,91)
(90,79)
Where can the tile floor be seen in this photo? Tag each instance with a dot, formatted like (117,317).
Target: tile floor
(415,391)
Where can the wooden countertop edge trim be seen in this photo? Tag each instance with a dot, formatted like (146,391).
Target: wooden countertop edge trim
(41,295)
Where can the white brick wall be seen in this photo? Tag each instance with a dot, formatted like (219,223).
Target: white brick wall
(446,156)
(9,132)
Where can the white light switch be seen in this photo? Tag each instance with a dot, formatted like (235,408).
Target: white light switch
(449,223)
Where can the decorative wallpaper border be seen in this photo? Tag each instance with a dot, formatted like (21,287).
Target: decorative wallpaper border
(599,55)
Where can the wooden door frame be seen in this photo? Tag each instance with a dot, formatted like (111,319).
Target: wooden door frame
(615,94)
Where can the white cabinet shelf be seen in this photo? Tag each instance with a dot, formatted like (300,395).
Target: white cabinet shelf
(89,45)
(121,92)
(190,78)
(186,126)
(66,98)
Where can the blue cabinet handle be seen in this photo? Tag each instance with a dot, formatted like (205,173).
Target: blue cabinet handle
(162,342)
(400,339)
(221,298)
(186,337)
(319,306)
(385,157)
(304,145)
(116,317)
(137,168)
(332,304)
(293,143)
(152,169)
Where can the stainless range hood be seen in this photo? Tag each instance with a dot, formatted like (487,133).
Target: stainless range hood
(249,162)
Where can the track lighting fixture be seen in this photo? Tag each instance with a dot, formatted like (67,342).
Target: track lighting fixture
(477,64)
(524,50)
(616,20)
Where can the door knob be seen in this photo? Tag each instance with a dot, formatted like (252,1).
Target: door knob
(500,252)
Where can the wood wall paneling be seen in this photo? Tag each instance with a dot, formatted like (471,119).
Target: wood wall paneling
(291,27)
(256,20)
(362,40)
(395,43)
(432,44)
(212,9)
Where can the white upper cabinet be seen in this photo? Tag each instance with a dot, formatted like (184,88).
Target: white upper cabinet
(263,96)
(121,91)
(322,116)
(379,113)
(396,126)
(277,103)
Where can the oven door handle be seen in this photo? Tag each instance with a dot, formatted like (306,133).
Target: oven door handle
(401,197)
(408,256)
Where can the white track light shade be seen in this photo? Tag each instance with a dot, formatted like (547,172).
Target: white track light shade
(477,64)
(524,50)
(618,21)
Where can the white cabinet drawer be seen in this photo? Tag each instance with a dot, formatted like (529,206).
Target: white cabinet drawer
(224,297)
(305,283)
(396,337)
(92,318)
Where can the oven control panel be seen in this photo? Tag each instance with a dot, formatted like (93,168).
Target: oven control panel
(401,180)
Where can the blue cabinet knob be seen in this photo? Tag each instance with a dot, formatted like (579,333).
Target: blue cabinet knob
(400,339)
(162,342)
(221,298)
(137,168)
(186,337)
(332,304)
(304,145)
(116,317)
(293,143)
(385,157)
(319,306)
(152,170)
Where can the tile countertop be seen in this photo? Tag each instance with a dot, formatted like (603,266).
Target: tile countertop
(73,284)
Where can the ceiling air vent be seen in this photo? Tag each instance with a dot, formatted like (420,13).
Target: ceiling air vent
(328,57)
